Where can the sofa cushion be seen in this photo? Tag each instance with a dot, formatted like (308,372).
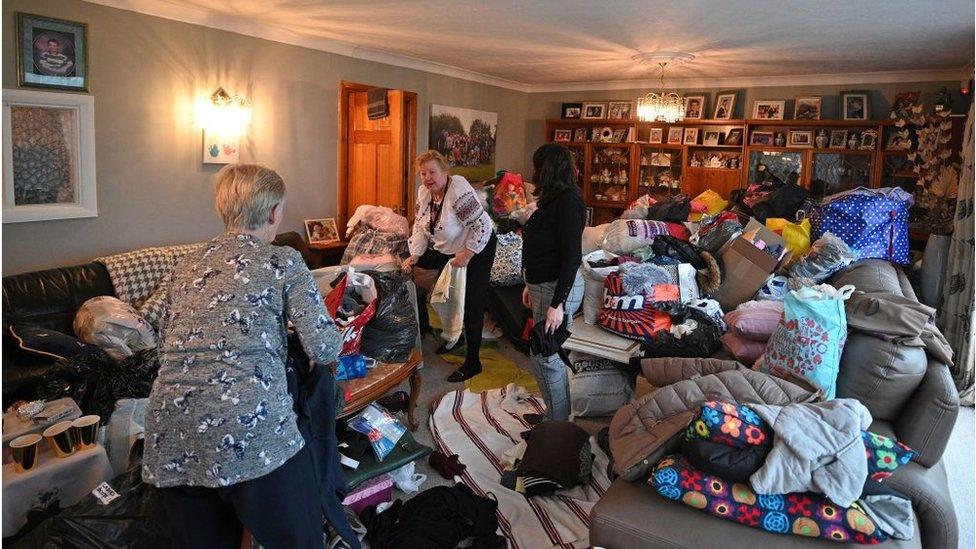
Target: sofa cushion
(44,344)
(882,375)
(50,298)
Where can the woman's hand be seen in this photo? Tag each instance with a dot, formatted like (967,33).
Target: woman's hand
(526,300)
(409,262)
(462,258)
(554,318)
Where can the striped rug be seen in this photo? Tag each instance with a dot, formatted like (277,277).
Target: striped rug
(476,428)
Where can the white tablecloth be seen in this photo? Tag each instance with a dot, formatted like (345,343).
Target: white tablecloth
(67,480)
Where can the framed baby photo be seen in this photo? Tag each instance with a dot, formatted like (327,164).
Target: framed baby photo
(620,110)
(807,108)
(52,53)
(691,136)
(768,110)
(724,103)
(321,231)
(562,136)
(854,106)
(656,135)
(674,136)
(694,107)
(572,110)
(734,137)
(594,111)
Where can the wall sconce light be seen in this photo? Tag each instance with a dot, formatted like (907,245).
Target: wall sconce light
(224,118)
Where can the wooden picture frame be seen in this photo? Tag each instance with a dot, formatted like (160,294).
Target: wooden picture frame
(768,109)
(322,230)
(594,111)
(724,105)
(690,136)
(51,53)
(675,135)
(807,107)
(838,139)
(800,139)
(561,136)
(854,106)
(734,137)
(656,135)
(760,138)
(620,110)
(694,111)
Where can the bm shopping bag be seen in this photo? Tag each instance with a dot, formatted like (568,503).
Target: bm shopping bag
(810,337)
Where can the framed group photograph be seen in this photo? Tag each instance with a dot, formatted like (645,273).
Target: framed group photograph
(656,135)
(694,107)
(48,156)
(594,111)
(675,134)
(807,108)
(321,231)
(620,110)
(734,137)
(572,110)
(800,138)
(711,138)
(561,136)
(52,53)
(768,110)
(854,106)
(838,139)
(724,105)
(691,136)
(764,139)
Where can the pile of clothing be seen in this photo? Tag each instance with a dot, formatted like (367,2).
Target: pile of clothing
(378,237)
(554,455)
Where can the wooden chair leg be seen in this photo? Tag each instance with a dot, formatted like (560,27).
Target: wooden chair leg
(415,382)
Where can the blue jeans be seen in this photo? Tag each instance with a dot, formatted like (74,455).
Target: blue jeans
(550,371)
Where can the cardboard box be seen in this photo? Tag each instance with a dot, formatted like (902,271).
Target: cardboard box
(746,266)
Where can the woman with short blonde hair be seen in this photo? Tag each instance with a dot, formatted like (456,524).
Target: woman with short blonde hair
(452,225)
(222,440)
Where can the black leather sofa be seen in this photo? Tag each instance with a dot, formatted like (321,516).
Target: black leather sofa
(50,299)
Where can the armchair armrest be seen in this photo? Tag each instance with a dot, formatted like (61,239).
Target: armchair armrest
(927,419)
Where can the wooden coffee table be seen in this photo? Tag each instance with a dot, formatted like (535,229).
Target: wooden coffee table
(379,380)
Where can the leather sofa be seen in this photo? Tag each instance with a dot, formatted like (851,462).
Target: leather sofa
(50,299)
(910,396)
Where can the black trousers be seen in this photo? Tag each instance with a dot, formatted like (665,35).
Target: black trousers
(280,509)
(475,292)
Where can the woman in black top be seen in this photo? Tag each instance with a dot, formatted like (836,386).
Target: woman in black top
(551,258)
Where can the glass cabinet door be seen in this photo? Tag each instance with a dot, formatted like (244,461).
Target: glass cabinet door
(842,172)
(787,166)
(610,174)
(659,175)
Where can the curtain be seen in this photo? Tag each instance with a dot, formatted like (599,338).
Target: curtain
(956,313)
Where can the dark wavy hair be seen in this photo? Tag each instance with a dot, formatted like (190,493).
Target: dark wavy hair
(554,172)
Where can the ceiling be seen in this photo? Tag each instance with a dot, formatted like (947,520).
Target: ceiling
(540,45)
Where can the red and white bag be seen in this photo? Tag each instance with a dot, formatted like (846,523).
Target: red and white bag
(352,328)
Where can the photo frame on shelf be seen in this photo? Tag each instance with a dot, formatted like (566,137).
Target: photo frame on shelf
(620,110)
(869,140)
(572,110)
(838,139)
(800,138)
(661,159)
(765,109)
(807,107)
(675,135)
(561,136)
(618,135)
(734,137)
(764,139)
(711,138)
(321,231)
(724,105)
(48,156)
(589,216)
(51,53)
(854,106)
(694,107)
(594,111)
(691,136)
(656,135)
(579,134)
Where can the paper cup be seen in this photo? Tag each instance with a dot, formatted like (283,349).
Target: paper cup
(85,432)
(24,450)
(61,439)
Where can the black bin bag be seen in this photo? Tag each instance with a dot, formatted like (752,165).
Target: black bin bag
(392,333)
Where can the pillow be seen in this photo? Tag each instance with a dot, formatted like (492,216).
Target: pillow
(45,344)
(745,350)
(803,514)
(884,454)
(755,320)
(725,462)
(733,425)
(154,307)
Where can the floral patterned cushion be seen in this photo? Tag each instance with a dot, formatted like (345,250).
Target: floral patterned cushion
(884,454)
(803,514)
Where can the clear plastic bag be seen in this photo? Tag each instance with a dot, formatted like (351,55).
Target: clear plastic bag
(828,255)
(379,425)
(114,326)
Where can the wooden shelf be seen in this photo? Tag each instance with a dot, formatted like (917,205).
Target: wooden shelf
(898,152)
(765,148)
(705,168)
(739,147)
(754,122)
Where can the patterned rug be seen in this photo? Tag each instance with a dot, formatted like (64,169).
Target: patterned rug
(479,430)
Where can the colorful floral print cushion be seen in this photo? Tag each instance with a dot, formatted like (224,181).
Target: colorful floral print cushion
(884,454)
(806,514)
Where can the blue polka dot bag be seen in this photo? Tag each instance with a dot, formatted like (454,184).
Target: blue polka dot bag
(874,222)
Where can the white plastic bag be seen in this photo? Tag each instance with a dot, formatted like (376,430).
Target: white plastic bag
(406,480)
(114,326)
(593,279)
(447,299)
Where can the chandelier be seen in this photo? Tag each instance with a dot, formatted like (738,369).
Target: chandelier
(664,106)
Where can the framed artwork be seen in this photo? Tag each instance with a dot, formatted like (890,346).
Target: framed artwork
(807,108)
(764,139)
(467,138)
(219,148)
(572,110)
(661,159)
(691,136)
(51,53)
(674,135)
(594,111)
(869,140)
(800,138)
(711,138)
(694,107)
(656,136)
(618,135)
(561,136)
(768,110)
(724,105)
(734,137)
(838,139)
(48,156)
(620,110)
(854,106)
(904,102)
(321,231)
(579,134)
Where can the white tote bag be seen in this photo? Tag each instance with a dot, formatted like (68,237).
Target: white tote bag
(447,298)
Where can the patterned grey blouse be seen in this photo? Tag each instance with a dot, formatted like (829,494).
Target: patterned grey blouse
(219,412)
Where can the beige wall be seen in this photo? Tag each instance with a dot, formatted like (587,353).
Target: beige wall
(146,72)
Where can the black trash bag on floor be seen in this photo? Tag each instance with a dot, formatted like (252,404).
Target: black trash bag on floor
(391,334)
(675,209)
(701,342)
(96,381)
(135,519)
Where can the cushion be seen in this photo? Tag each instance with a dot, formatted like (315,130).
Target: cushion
(734,425)
(803,514)
(726,462)
(43,343)
(507,268)
(744,350)
(755,320)
(154,307)
(553,452)
(598,386)
(884,455)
